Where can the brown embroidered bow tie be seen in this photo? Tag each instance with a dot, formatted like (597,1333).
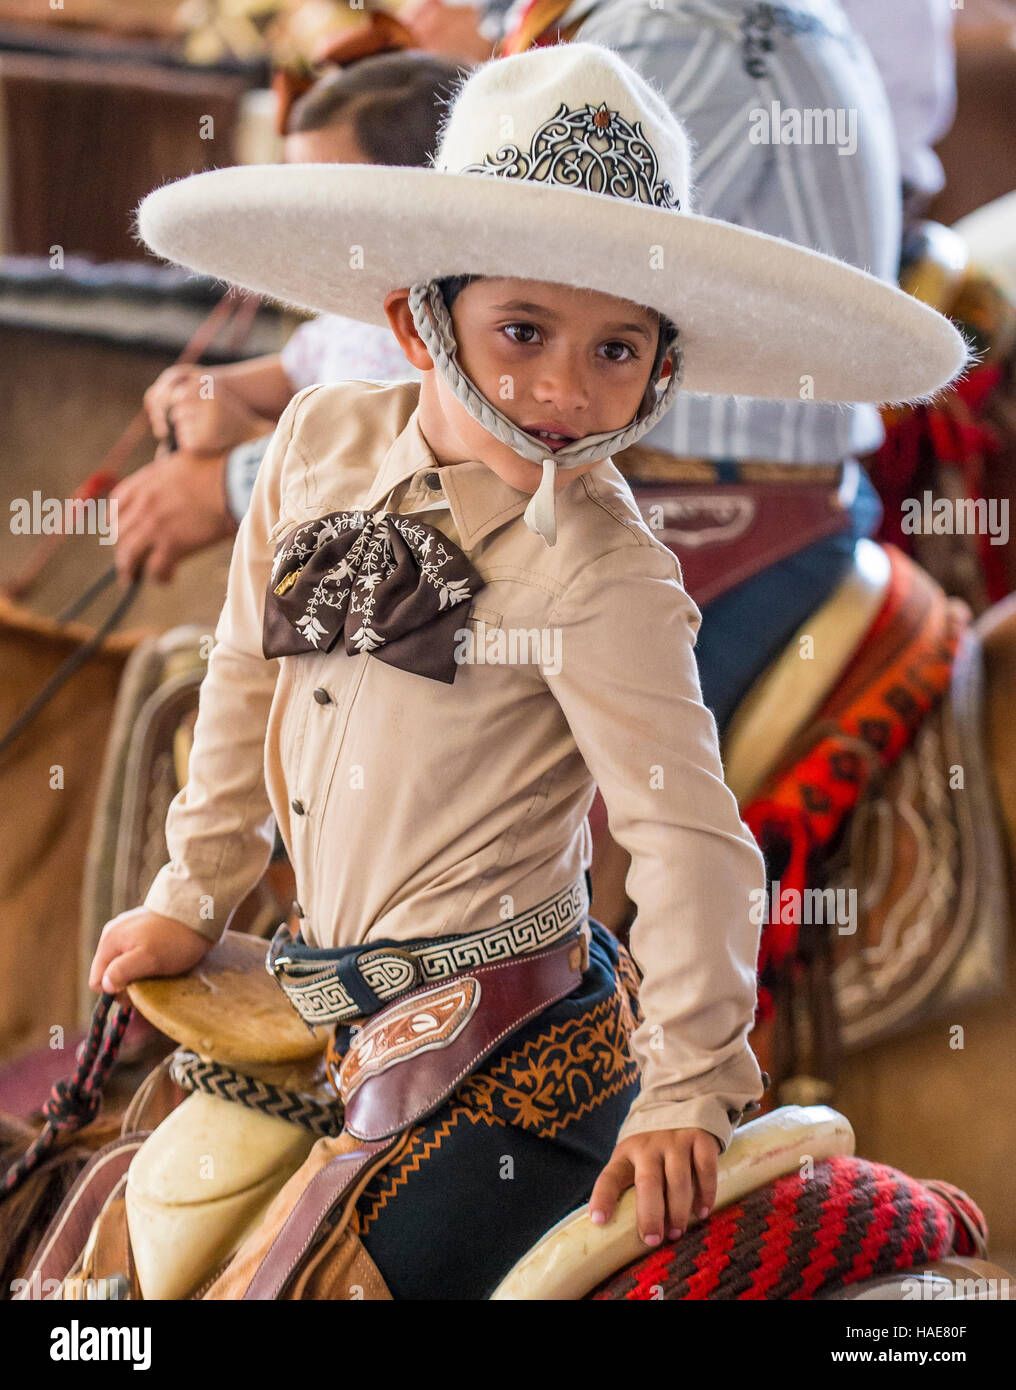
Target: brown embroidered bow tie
(390,585)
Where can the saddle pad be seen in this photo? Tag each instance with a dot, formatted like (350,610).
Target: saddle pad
(725,532)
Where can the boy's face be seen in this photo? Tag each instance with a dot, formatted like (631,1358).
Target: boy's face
(552,358)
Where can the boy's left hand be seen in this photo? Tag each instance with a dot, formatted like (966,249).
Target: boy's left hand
(674,1172)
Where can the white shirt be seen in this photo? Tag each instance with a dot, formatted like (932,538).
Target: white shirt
(911,42)
(333,348)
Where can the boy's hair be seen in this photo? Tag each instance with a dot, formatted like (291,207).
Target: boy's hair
(393,100)
(452,285)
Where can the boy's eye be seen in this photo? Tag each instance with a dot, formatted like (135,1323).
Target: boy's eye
(616,356)
(523,328)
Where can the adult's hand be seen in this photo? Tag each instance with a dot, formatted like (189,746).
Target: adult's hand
(207,415)
(159,395)
(172,507)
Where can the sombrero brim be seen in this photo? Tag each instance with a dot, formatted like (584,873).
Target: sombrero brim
(758,315)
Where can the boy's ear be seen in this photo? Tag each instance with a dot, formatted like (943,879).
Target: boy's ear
(400,317)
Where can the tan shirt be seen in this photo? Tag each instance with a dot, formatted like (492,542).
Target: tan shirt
(413,808)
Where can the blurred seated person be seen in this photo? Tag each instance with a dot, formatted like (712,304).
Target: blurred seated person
(912,43)
(382,108)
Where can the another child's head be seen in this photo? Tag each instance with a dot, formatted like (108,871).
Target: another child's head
(384,109)
(549,356)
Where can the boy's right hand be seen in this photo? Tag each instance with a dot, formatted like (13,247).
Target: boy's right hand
(140,943)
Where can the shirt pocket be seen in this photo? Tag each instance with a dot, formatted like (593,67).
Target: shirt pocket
(301,501)
(299,509)
(472,637)
(480,614)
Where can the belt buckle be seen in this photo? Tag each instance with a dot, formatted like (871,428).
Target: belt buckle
(274,961)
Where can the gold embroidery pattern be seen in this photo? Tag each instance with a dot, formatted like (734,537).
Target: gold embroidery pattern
(557,1077)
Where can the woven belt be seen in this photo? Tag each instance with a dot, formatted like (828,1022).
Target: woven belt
(335,986)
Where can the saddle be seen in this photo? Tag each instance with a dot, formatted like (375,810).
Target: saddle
(727,521)
(882,805)
(920,854)
(228,1013)
(765,1155)
(216,1179)
(925,854)
(226,1201)
(785,696)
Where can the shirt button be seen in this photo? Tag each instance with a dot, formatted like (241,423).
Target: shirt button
(433,480)
(322,696)
(298,807)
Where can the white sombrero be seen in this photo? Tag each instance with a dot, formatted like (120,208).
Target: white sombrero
(561,164)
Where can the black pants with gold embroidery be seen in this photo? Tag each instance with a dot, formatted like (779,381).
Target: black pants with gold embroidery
(516,1147)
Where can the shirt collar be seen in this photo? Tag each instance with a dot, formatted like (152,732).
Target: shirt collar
(478,499)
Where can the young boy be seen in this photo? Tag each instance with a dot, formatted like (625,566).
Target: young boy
(429,758)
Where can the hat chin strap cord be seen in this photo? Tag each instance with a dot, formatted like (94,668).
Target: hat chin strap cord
(540,516)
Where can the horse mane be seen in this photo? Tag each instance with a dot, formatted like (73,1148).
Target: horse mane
(28,1211)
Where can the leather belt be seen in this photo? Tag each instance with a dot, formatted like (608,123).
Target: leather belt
(337,986)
